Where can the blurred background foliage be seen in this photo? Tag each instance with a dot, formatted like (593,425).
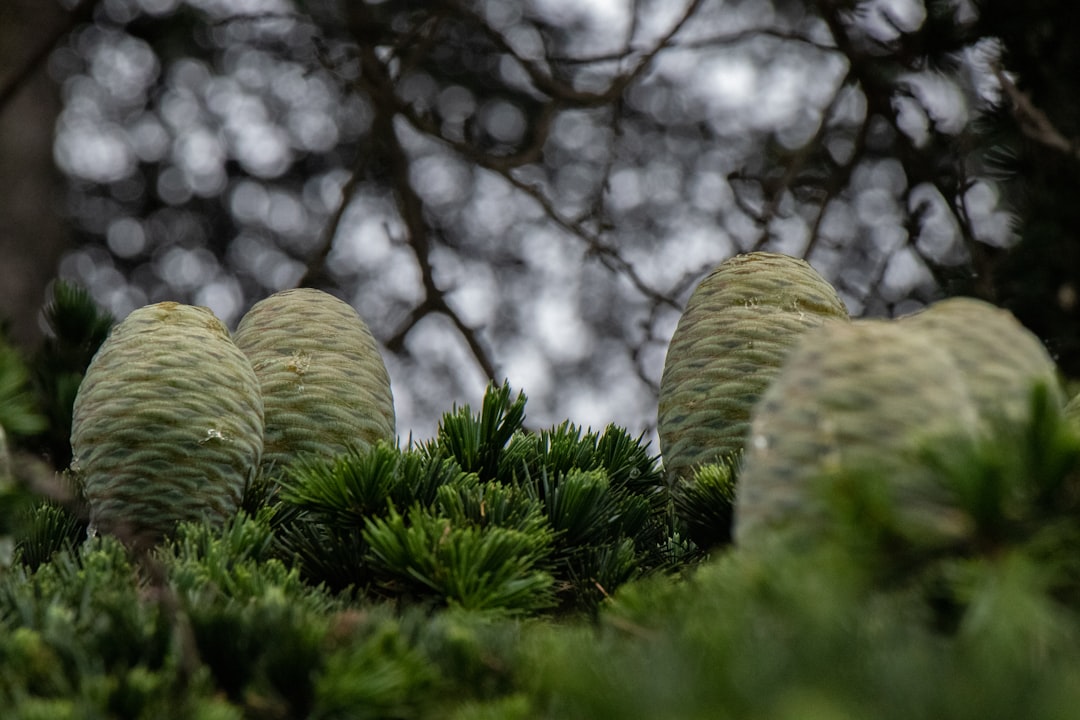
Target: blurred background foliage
(531,189)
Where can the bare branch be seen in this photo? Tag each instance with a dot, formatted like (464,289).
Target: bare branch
(377,82)
(316,266)
(544,82)
(597,247)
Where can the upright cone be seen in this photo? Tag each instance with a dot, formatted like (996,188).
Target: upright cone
(1000,359)
(167,423)
(324,383)
(738,327)
(859,397)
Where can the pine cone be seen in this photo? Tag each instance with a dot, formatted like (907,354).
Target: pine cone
(1000,359)
(853,397)
(323,380)
(738,326)
(167,423)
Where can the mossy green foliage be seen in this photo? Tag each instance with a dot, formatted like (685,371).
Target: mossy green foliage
(866,620)
(18,413)
(705,503)
(36,397)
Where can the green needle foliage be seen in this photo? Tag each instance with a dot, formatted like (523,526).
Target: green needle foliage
(477,441)
(605,498)
(77,327)
(47,529)
(325,502)
(468,566)
(560,515)
(18,413)
(543,575)
(87,638)
(705,503)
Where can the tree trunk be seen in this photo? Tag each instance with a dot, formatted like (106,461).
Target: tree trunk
(33,235)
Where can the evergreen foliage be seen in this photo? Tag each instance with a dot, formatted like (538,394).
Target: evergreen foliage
(474,567)
(496,572)
(477,441)
(18,414)
(705,503)
(77,328)
(557,517)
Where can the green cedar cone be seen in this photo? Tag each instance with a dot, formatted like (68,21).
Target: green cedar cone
(738,326)
(168,423)
(323,380)
(853,397)
(1000,358)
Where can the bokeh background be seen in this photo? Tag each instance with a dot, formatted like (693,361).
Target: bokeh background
(530,190)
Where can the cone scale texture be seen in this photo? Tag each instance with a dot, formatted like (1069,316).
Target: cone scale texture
(1000,359)
(864,396)
(738,326)
(167,423)
(324,383)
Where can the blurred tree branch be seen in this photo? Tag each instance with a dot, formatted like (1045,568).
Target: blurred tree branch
(378,78)
(1033,122)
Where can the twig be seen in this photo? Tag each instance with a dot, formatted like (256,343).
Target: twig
(550,86)
(377,82)
(316,266)
(1033,122)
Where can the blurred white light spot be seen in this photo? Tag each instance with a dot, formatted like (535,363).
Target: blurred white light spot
(365,243)
(312,129)
(558,323)
(172,188)
(148,138)
(729,83)
(187,269)
(126,237)
(249,202)
(125,66)
(198,152)
(223,297)
(455,103)
(98,153)
(179,109)
(710,192)
(526,366)
(287,215)
(624,189)
(263,150)
(904,272)
(158,7)
(504,121)
(439,180)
